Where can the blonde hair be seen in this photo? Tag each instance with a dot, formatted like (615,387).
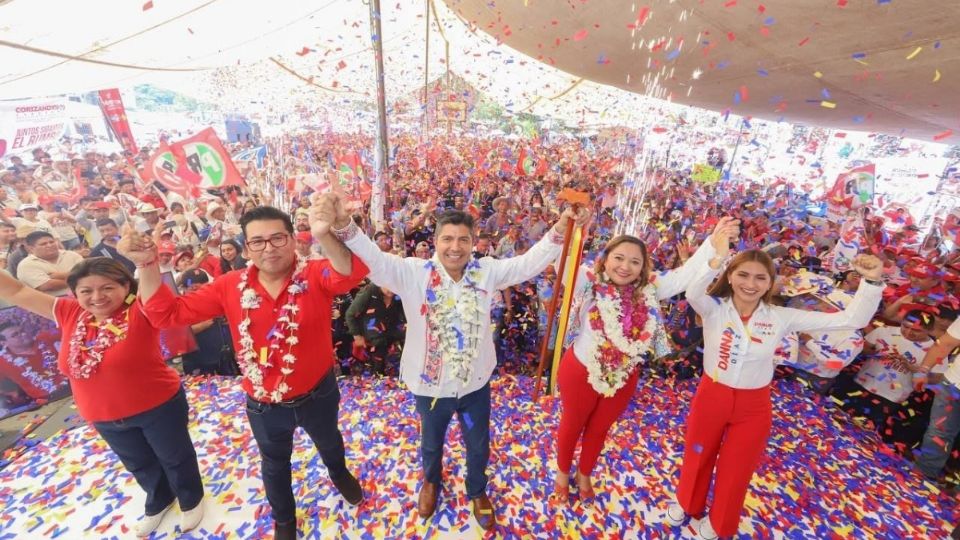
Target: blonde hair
(721,288)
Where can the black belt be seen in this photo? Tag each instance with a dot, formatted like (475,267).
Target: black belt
(299,400)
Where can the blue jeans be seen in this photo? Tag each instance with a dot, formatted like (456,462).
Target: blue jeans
(943,428)
(273,426)
(473,412)
(155,447)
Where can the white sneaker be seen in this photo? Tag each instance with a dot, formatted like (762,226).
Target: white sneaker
(148,524)
(191,518)
(705,530)
(675,514)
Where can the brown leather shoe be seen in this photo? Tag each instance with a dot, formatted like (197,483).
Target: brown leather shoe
(427,505)
(483,511)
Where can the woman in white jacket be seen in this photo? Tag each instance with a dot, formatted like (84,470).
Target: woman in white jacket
(730,416)
(618,326)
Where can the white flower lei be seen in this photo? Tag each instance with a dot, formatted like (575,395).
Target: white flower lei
(607,382)
(455,323)
(253,365)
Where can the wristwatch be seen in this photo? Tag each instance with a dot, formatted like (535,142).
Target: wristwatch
(877,282)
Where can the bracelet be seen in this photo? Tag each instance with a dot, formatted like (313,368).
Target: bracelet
(151,263)
(877,282)
(919,374)
(345,233)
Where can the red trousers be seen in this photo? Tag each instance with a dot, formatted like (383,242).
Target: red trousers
(586,413)
(727,428)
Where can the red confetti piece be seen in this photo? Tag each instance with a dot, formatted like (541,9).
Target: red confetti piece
(580,35)
(803,42)
(943,135)
(148,5)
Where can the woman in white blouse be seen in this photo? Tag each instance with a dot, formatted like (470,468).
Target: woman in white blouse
(618,326)
(730,416)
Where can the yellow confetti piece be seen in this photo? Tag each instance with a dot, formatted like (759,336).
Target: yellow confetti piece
(936,75)
(263,355)
(914,53)
(130,298)
(817,74)
(860,61)
(828,105)
(433,403)
(114,329)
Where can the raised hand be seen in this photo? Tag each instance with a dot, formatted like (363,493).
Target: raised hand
(322,214)
(579,214)
(136,246)
(868,266)
(726,231)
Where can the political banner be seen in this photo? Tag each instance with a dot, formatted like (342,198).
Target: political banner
(910,184)
(705,174)
(112,106)
(853,189)
(29,123)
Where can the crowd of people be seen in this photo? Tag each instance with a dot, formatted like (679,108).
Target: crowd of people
(736,283)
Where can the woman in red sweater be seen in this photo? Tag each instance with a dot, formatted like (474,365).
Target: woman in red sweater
(111,354)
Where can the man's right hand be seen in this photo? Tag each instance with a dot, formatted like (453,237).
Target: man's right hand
(136,246)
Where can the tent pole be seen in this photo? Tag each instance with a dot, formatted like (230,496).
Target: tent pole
(381,152)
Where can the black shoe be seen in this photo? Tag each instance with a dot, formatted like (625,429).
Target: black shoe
(349,487)
(285,531)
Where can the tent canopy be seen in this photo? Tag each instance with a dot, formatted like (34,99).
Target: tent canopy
(883,66)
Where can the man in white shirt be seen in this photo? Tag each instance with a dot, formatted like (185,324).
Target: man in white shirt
(47,266)
(945,413)
(29,213)
(884,380)
(449,357)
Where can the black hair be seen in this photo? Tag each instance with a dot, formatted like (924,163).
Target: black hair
(190,277)
(103,222)
(378,234)
(7,224)
(920,317)
(104,267)
(36,236)
(454,217)
(266,213)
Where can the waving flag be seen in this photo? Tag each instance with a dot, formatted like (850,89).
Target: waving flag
(208,161)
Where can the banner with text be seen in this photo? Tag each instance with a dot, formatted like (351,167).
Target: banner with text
(112,107)
(27,124)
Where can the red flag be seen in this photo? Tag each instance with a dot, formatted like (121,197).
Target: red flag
(163,166)
(208,162)
(112,107)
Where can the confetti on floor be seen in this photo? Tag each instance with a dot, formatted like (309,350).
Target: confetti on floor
(822,477)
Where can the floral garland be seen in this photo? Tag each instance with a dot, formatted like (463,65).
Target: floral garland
(628,333)
(254,365)
(47,378)
(85,356)
(453,325)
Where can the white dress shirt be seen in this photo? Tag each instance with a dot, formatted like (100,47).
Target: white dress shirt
(408,278)
(741,356)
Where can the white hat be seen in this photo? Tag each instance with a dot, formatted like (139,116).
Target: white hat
(27,206)
(213,207)
(146,208)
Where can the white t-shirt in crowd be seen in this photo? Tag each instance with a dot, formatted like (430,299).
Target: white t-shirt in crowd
(952,373)
(883,374)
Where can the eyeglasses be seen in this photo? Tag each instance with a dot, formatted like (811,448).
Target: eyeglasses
(260,244)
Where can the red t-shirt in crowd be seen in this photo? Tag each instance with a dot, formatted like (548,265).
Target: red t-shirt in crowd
(131,379)
(314,350)
(211,265)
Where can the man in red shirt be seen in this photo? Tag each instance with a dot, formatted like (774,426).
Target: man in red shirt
(279,313)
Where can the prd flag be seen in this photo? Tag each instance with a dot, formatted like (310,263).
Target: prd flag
(205,157)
